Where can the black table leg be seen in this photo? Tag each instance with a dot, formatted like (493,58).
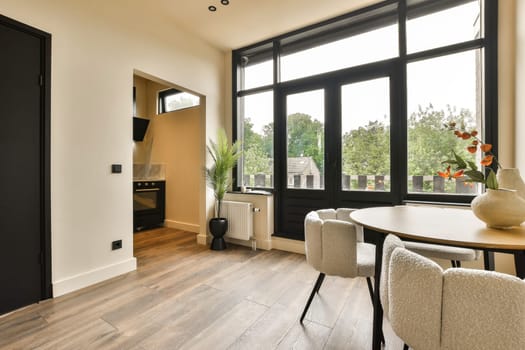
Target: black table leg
(376,238)
(488,259)
(519,262)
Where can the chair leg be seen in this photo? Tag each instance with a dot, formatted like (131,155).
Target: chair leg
(370,289)
(316,288)
(405,346)
(371,292)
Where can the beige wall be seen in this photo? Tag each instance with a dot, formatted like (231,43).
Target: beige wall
(177,144)
(96,47)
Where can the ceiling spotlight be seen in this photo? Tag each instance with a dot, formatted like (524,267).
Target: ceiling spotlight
(225,2)
(212,8)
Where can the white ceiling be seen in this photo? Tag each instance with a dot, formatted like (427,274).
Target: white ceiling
(245,22)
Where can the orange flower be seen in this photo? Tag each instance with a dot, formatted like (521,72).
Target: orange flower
(487,160)
(474,133)
(445,174)
(486,147)
(472,149)
(458,173)
(458,133)
(475,142)
(465,136)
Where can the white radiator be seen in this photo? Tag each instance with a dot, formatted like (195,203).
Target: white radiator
(240,219)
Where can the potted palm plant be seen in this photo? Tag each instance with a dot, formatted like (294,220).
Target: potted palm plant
(225,156)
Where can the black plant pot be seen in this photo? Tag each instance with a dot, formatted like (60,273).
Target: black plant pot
(218,227)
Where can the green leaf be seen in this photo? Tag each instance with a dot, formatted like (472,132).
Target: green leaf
(475,175)
(461,163)
(449,161)
(472,165)
(492,182)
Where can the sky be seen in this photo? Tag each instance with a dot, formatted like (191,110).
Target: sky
(442,81)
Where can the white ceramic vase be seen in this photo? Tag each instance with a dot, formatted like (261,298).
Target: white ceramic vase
(501,209)
(511,179)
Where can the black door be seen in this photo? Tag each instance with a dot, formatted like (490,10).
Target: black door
(24,166)
(315,130)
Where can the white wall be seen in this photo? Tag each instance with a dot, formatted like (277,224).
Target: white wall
(96,45)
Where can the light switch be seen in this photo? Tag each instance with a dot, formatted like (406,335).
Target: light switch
(116,168)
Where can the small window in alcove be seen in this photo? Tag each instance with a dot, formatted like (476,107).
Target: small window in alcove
(173,100)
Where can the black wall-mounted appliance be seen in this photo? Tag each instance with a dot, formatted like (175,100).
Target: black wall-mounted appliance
(149,203)
(140,125)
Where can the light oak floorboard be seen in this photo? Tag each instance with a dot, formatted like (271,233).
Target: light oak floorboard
(185,296)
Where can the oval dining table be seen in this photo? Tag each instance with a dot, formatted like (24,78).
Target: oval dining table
(437,225)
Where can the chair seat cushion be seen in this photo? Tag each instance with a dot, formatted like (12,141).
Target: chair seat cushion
(366,257)
(442,251)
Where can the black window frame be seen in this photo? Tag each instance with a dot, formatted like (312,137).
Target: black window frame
(162,95)
(328,30)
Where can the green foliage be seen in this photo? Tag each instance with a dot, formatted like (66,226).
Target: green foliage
(258,149)
(306,138)
(366,150)
(428,144)
(224,159)
(256,161)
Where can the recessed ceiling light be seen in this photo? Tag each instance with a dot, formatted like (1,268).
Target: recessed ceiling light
(212,8)
(225,2)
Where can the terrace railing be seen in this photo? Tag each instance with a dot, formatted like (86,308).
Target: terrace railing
(416,183)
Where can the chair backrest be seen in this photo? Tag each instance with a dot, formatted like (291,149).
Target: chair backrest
(456,309)
(330,244)
(415,288)
(344,215)
(391,242)
(482,310)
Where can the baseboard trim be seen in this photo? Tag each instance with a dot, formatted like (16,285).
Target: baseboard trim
(82,280)
(203,239)
(259,243)
(182,226)
(288,245)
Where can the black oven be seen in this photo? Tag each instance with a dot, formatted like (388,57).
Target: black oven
(149,201)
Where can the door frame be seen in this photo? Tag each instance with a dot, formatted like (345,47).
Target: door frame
(46,290)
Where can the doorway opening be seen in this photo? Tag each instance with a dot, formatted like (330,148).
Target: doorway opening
(167,160)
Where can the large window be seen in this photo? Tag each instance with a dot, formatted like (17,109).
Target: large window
(365,132)
(351,112)
(441,90)
(256,165)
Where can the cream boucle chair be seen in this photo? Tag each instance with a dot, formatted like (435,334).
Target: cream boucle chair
(334,246)
(454,309)
(455,254)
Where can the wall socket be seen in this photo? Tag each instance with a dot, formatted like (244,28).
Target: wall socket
(116,244)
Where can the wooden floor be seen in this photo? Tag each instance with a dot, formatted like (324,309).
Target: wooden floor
(186,296)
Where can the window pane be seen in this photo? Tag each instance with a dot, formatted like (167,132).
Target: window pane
(305,139)
(256,125)
(441,90)
(365,125)
(259,74)
(375,45)
(450,26)
(180,100)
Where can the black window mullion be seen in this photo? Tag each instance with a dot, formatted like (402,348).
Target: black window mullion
(445,50)
(332,139)
(491,74)
(402,27)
